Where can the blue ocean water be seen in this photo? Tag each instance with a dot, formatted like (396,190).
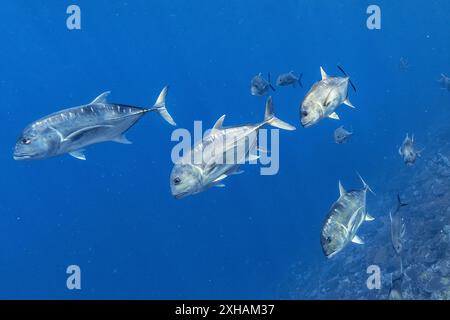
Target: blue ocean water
(113,215)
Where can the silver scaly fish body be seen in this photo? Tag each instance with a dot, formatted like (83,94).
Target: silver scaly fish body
(71,130)
(323,98)
(343,220)
(219,155)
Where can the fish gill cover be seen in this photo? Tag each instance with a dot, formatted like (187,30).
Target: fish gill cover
(110,226)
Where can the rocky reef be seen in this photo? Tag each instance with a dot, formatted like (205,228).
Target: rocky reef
(426,256)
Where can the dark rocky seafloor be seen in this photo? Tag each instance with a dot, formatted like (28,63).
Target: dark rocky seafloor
(426,255)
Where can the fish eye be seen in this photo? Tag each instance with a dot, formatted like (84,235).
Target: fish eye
(304,113)
(26,141)
(177,180)
(328,239)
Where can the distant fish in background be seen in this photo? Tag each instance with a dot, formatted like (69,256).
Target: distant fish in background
(324,97)
(395,291)
(341,135)
(344,219)
(403,64)
(397,226)
(408,151)
(70,130)
(188,177)
(260,86)
(289,79)
(444,82)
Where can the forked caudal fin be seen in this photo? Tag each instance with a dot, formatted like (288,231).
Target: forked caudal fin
(160,106)
(269,117)
(366,186)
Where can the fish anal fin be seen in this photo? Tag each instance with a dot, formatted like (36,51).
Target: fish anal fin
(78,154)
(368,217)
(334,116)
(122,139)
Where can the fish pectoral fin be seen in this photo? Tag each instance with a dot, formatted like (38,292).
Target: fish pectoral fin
(357,240)
(334,116)
(368,217)
(348,103)
(84,130)
(78,154)
(122,139)
(101,98)
(219,185)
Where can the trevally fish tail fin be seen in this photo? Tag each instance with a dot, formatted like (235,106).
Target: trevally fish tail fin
(270,82)
(366,186)
(160,106)
(269,117)
(300,76)
(349,80)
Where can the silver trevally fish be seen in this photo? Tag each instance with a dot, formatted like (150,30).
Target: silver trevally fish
(260,86)
(341,135)
(397,226)
(408,151)
(344,219)
(323,98)
(71,130)
(395,291)
(189,176)
(289,79)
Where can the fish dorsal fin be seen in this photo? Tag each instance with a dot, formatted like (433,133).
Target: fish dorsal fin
(357,240)
(323,74)
(101,98)
(341,189)
(334,116)
(219,123)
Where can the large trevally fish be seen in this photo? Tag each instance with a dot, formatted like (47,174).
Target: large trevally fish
(71,130)
(324,97)
(344,219)
(219,155)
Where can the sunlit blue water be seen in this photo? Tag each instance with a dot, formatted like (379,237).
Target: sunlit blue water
(114,216)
